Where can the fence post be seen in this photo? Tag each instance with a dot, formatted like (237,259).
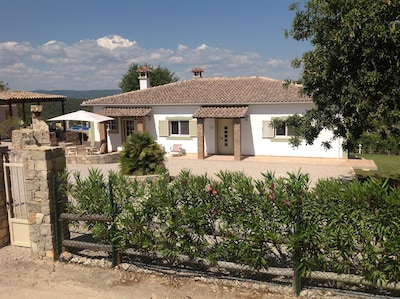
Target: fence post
(56,217)
(297,251)
(115,254)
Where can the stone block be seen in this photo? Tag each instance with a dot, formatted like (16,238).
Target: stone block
(50,254)
(41,195)
(45,230)
(34,233)
(45,207)
(49,242)
(42,165)
(39,218)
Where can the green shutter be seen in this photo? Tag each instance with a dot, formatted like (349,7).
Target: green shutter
(193,128)
(290,131)
(267,130)
(163,128)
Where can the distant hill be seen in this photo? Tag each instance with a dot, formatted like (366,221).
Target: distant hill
(82,94)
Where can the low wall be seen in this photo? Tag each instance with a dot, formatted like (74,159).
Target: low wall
(93,159)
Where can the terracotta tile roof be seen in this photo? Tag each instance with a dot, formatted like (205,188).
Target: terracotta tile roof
(131,111)
(221,112)
(209,91)
(20,96)
(144,69)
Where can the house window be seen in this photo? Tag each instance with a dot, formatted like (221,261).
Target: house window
(281,130)
(179,127)
(113,126)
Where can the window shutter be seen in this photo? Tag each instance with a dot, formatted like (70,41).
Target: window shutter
(290,131)
(163,130)
(193,128)
(267,130)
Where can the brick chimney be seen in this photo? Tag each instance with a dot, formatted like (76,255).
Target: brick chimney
(197,72)
(144,77)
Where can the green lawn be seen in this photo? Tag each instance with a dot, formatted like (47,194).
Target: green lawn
(388,166)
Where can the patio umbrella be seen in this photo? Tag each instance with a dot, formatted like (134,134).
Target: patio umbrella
(82,115)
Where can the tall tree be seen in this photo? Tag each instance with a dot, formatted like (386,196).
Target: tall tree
(158,76)
(353,71)
(4,86)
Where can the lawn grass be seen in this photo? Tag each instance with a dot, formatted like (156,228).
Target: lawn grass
(388,166)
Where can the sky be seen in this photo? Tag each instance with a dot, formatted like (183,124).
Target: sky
(89,44)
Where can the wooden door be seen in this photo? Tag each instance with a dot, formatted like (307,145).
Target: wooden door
(16,204)
(225,136)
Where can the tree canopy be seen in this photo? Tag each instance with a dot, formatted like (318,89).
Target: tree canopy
(158,76)
(3,86)
(353,71)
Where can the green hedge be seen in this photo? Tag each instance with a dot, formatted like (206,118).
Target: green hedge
(345,227)
(374,143)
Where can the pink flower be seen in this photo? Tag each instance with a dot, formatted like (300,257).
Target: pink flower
(209,188)
(214,192)
(271,196)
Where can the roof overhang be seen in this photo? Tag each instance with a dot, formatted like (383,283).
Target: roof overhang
(221,112)
(125,111)
(18,97)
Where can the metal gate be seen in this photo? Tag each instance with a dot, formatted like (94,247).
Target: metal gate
(16,204)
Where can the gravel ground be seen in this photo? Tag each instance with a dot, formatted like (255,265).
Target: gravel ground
(317,168)
(24,277)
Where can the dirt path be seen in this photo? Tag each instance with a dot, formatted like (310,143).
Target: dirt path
(22,277)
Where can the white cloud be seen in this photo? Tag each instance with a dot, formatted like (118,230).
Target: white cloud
(114,41)
(202,47)
(101,63)
(182,48)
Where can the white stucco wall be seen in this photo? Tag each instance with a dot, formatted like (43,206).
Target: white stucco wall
(252,143)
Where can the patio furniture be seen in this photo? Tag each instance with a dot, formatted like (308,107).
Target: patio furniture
(96,151)
(71,150)
(176,150)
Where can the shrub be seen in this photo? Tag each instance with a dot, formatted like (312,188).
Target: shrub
(141,155)
(338,226)
(7,126)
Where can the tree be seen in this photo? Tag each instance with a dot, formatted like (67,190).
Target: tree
(3,86)
(158,76)
(353,72)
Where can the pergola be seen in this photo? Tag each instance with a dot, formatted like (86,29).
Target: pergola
(21,97)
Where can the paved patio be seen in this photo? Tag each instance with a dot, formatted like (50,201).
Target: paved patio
(317,168)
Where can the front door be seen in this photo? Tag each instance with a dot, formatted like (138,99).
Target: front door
(128,128)
(225,136)
(16,204)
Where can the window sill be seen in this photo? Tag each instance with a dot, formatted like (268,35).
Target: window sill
(180,138)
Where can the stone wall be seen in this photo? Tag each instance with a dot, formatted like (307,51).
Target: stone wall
(40,165)
(4,230)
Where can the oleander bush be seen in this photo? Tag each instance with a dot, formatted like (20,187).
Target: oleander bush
(338,226)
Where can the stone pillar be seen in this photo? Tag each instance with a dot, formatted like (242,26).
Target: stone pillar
(237,140)
(200,138)
(4,230)
(40,165)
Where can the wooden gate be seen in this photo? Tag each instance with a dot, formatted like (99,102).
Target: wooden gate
(16,204)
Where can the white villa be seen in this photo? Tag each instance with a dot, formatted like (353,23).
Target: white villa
(211,116)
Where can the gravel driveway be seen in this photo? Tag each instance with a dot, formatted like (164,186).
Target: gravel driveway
(317,168)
